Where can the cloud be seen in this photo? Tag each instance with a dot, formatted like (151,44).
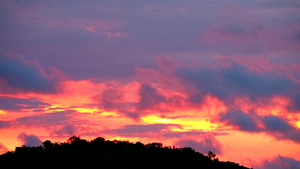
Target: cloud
(66,130)
(239,119)
(203,144)
(245,31)
(272,125)
(13,103)
(234,81)
(279,162)
(295,103)
(109,99)
(3,149)
(142,129)
(280,129)
(17,76)
(189,134)
(113,99)
(29,140)
(44,120)
(149,97)
(4,124)
(276,124)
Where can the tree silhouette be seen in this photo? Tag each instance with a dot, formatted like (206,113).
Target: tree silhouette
(211,155)
(101,153)
(73,139)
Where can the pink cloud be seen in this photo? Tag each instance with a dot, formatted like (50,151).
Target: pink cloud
(240,32)
(279,162)
(3,149)
(202,143)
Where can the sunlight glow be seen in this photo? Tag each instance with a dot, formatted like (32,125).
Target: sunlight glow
(55,108)
(298,124)
(86,110)
(2,112)
(187,124)
(105,113)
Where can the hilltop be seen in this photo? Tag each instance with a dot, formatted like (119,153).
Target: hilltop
(101,153)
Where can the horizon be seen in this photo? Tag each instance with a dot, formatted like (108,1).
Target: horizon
(220,76)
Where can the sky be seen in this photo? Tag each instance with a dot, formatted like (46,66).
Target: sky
(214,75)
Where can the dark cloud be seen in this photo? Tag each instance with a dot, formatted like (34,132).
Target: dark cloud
(183,134)
(279,162)
(295,103)
(4,124)
(142,128)
(208,143)
(112,100)
(44,120)
(19,76)
(29,140)
(109,99)
(149,97)
(273,125)
(66,130)
(276,124)
(132,115)
(13,103)
(240,119)
(229,82)
(280,129)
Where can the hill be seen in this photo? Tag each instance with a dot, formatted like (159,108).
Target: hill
(100,153)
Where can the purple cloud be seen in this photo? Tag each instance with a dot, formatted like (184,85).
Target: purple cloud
(29,140)
(42,120)
(13,103)
(273,125)
(279,162)
(281,129)
(235,81)
(276,124)
(56,118)
(4,124)
(240,119)
(66,130)
(91,30)
(109,99)
(206,143)
(140,129)
(149,97)
(17,76)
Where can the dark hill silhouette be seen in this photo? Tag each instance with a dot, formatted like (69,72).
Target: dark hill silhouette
(103,154)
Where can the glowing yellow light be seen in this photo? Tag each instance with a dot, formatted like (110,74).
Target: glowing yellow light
(154,119)
(105,113)
(55,108)
(298,124)
(2,112)
(86,110)
(187,125)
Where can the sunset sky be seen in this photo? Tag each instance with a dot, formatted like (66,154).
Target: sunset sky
(214,75)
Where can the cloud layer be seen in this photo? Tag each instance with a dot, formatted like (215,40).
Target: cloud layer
(200,74)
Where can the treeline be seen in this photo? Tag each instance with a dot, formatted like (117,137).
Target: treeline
(100,153)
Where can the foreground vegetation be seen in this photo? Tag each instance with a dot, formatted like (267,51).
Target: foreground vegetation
(100,153)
